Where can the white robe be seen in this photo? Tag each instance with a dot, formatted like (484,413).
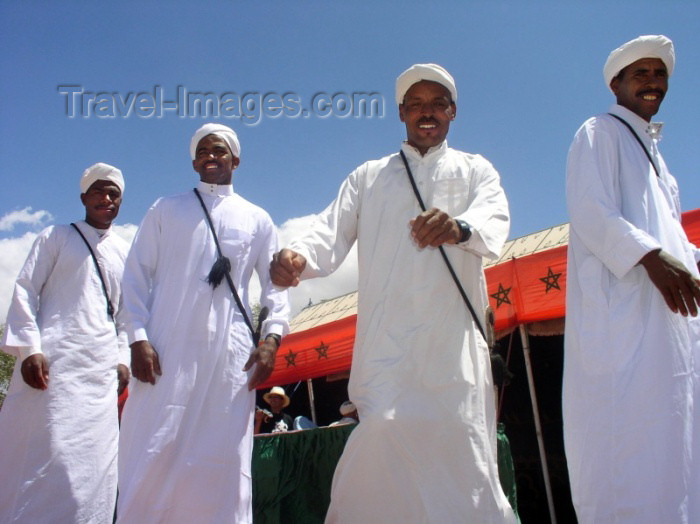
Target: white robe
(627,391)
(58,451)
(186,443)
(425,447)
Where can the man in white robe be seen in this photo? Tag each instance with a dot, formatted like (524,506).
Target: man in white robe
(632,295)
(58,425)
(425,450)
(187,427)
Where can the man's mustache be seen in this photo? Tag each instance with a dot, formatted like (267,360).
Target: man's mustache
(651,92)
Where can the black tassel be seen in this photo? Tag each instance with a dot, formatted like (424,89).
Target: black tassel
(218,271)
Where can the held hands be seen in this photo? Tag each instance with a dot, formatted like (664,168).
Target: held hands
(286,268)
(680,289)
(35,371)
(263,357)
(144,362)
(434,228)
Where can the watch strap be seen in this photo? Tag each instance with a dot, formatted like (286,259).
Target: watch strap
(277,338)
(464,230)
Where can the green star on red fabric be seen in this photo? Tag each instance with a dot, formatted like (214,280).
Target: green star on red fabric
(322,351)
(551,280)
(501,295)
(290,358)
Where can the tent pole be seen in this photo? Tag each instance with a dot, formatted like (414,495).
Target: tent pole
(538,426)
(310,387)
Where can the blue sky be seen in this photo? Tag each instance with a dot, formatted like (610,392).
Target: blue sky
(528,74)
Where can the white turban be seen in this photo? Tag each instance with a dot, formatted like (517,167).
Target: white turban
(226,133)
(418,72)
(101,171)
(647,46)
(347,407)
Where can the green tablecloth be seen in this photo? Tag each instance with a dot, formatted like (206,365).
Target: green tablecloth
(292,473)
(506,470)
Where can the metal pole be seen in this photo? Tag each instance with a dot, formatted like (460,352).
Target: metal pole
(310,387)
(538,426)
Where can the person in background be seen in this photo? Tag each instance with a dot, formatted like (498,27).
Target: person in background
(277,421)
(349,413)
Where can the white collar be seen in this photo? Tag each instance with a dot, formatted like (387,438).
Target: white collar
(412,151)
(650,129)
(99,232)
(220,190)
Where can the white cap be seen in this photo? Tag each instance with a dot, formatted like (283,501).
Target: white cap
(418,72)
(226,133)
(101,171)
(347,407)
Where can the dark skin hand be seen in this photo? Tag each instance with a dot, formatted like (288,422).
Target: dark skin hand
(144,362)
(680,289)
(434,228)
(260,417)
(123,377)
(263,358)
(35,371)
(286,268)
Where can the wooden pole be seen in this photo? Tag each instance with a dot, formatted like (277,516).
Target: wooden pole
(310,387)
(538,426)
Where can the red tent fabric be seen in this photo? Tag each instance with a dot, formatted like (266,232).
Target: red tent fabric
(521,291)
(315,352)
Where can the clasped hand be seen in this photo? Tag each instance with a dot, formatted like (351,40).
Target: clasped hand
(434,228)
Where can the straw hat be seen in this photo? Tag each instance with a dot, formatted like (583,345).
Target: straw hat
(276,390)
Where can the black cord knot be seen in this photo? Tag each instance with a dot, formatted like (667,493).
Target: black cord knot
(221,267)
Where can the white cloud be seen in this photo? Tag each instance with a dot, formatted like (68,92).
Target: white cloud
(127,231)
(14,253)
(25,216)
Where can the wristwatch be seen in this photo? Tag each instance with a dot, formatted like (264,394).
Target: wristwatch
(464,230)
(275,337)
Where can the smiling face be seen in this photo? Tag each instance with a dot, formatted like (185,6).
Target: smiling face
(427,111)
(214,161)
(641,86)
(101,201)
